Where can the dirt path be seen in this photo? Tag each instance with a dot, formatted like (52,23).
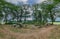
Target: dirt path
(42,33)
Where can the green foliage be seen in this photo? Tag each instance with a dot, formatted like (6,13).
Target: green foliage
(41,12)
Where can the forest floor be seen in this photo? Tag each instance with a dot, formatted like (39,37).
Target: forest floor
(50,32)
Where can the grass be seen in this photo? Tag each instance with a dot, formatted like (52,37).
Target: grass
(56,23)
(16,33)
(12,37)
(2,35)
(55,33)
(17,30)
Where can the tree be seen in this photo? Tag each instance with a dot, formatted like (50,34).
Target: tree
(37,13)
(8,8)
(48,9)
(26,12)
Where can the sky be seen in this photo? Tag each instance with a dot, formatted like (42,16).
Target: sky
(26,1)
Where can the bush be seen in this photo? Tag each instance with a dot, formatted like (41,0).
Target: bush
(18,25)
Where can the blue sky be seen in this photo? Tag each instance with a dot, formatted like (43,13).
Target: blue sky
(26,1)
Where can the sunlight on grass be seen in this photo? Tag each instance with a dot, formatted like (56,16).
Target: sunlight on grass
(58,23)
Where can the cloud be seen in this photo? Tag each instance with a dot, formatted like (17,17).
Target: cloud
(35,1)
(22,0)
(16,1)
(25,1)
(39,1)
